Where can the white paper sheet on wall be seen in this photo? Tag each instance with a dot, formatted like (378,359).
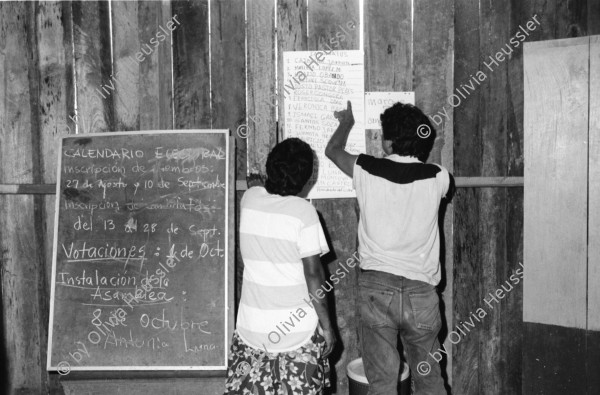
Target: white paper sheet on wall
(315,85)
(377,102)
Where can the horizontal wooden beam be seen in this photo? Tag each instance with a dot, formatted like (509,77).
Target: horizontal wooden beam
(483,182)
(27,189)
(461,182)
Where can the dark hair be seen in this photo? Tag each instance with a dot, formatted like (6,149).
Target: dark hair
(410,131)
(289,167)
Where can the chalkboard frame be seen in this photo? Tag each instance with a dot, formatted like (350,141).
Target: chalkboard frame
(229,320)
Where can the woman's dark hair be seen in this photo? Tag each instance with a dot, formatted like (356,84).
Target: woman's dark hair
(410,131)
(289,167)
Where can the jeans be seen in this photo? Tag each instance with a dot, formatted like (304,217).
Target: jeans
(390,306)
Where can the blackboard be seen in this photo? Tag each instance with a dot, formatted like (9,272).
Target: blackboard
(141,276)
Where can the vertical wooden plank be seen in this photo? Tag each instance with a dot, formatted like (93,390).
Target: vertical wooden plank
(388,37)
(92,85)
(126,74)
(56,63)
(155,90)
(142,65)
(388,64)
(229,73)
(262,126)
(512,328)
(433,52)
(20,259)
(22,317)
(228,57)
(433,45)
(340,219)
(56,103)
(57,100)
(594,189)
(191,74)
(328,17)
(512,310)
(494,130)
(593,15)
(467,162)
(68,43)
(92,62)
(572,18)
(157,67)
(33,72)
(340,216)
(466,271)
(291,36)
(554,143)
(593,307)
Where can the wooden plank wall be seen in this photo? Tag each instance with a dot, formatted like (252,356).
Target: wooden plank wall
(65,81)
(594,190)
(262,118)
(21,279)
(228,66)
(55,44)
(339,216)
(82,90)
(433,47)
(593,340)
(488,141)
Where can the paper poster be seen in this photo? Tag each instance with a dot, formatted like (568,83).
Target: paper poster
(378,102)
(316,84)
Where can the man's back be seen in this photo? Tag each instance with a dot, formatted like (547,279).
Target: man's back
(399,199)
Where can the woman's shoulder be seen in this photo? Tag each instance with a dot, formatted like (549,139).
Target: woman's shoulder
(303,208)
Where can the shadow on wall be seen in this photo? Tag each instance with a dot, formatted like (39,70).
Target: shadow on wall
(443,283)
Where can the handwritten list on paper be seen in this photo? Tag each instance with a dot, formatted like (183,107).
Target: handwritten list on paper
(315,85)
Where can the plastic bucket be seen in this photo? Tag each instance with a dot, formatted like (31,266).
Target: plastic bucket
(360,386)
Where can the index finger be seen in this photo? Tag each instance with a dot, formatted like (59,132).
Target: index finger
(349,106)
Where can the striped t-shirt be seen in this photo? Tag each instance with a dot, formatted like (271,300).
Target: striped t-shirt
(399,198)
(276,232)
